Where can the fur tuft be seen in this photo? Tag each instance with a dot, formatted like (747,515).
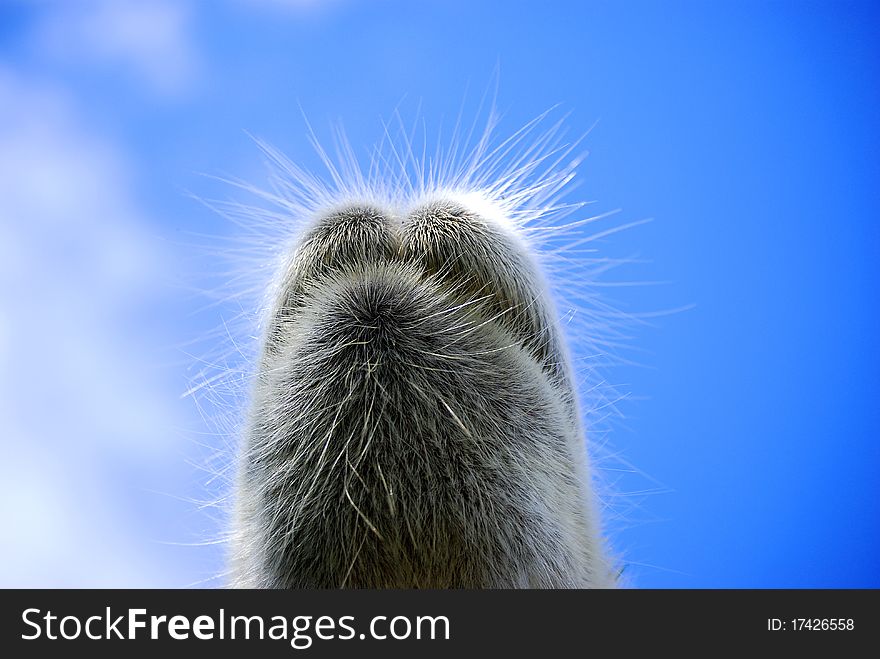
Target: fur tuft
(414,418)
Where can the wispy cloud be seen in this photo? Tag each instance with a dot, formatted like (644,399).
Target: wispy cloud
(84,413)
(149,40)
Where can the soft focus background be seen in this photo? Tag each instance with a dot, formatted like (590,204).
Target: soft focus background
(748,131)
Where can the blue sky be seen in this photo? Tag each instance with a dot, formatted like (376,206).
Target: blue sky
(746,130)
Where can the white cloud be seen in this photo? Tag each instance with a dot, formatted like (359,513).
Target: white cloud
(147,38)
(86,417)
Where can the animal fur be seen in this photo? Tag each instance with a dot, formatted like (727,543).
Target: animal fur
(413,421)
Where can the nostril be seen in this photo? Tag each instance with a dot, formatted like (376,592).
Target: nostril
(479,262)
(348,236)
(355,217)
(445,238)
(344,239)
(442,210)
(350,233)
(444,220)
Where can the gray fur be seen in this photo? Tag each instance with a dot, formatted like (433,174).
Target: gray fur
(413,422)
